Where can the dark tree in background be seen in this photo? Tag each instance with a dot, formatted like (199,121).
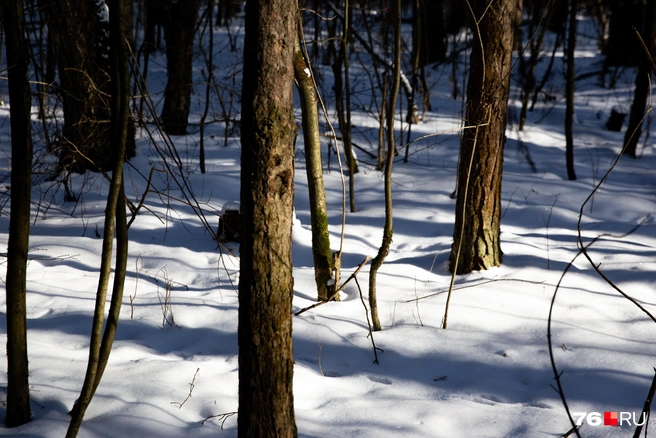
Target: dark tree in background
(179,30)
(622,49)
(476,243)
(266,363)
(18,393)
(81,41)
(642,82)
(429,33)
(569,91)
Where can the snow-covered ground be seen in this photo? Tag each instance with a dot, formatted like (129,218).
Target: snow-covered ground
(173,369)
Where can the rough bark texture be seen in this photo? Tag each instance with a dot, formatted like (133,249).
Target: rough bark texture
(642,83)
(321,253)
(478,204)
(81,43)
(179,33)
(18,394)
(266,364)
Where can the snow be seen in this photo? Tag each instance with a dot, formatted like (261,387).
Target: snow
(487,375)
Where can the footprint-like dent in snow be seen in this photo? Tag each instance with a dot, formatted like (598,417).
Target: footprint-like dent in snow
(379,379)
(490,398)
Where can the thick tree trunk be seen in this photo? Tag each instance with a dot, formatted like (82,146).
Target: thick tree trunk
(18,393)
(266,363)
(476,242)
(179,33)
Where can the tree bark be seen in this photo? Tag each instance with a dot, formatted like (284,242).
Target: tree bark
(321,253)
(18,393)
(476,242)
(388,231)
(115,220)
(179,33)
(343,100)
(266,364)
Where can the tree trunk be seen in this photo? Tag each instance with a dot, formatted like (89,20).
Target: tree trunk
(18,393)
(428,31)
(342,94)
(80,38)
(266,363)
(388,231)
(569,91)
(622,49)
(179,33)
(642,82)
(476,243)
(320,237)
(101,342)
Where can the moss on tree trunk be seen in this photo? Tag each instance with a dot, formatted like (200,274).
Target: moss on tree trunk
(321,253)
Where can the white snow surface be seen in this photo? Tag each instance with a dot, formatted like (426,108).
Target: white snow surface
(488,375)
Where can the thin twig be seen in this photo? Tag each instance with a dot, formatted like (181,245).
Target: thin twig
(371,333)
(546,224)
(494,280)
(338,290)
(222,417)
(191,389)
(557,375)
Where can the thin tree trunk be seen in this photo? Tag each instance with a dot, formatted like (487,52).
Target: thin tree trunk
(18,393)
(419,47)
(388,231)
(266,363)
(101,343)
(527,68)
(342,93)
(569,91)
(209,65)
(312,142)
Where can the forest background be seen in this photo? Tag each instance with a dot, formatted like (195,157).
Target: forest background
(552,333)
